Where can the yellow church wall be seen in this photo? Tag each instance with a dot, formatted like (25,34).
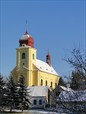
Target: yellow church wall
(34,78)
(50,78)
(18,57)
(34,75)
(14,74)
(38,75)
(24,74)
(30,58)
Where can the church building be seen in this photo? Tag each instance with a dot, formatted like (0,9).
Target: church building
(36,72)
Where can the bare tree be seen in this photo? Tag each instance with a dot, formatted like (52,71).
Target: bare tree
(78,61)
(78,75)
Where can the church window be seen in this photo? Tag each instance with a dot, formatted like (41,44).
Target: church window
(46,82)
(55,84)
(35,102)
(51,84)
(40,102)
(23,55)
(41,82)
(33,56)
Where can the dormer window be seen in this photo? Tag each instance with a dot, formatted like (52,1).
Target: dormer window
(23,55)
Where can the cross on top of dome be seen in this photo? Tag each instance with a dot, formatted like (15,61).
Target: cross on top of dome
(26,27)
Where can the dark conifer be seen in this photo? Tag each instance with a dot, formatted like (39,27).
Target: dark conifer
(2,84)
(61,82)
(76,80)
(11,94)
(23,94)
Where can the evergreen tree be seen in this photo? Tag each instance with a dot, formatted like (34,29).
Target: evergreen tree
(23,94)
(61,82)
(2,84)
(75,80)
(11,94)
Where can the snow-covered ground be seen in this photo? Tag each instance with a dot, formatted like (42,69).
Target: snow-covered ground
(41,112)
(33,112)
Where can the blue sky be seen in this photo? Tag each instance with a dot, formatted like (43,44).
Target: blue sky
(55,24)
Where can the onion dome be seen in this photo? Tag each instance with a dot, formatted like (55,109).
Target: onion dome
(27,39)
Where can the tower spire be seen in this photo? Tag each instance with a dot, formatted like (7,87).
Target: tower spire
(26,27)
(48,58)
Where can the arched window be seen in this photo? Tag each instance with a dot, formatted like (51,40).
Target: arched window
(23,55)
(33,56)
(41,82)
(51,84)
(46,82)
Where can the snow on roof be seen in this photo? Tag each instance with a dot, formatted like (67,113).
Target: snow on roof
(67,96)
(43,66)
(37,91)
(25,37)
(66,89)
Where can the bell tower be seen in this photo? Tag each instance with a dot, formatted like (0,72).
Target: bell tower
(26,57)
